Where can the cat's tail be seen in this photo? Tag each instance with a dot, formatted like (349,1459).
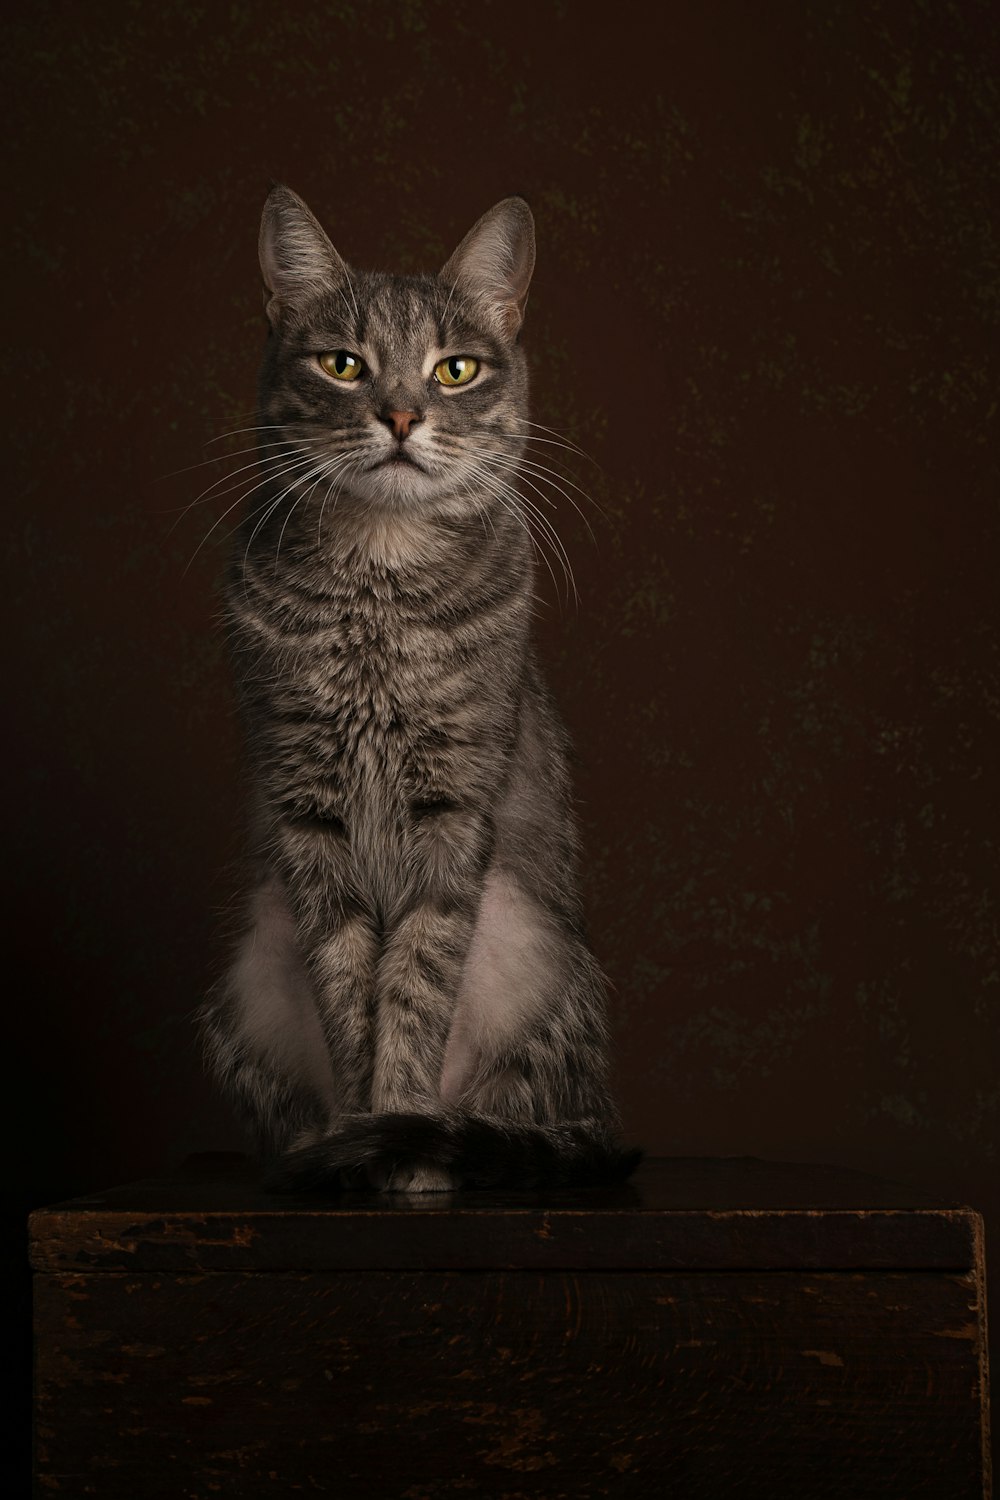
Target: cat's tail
(472,1151)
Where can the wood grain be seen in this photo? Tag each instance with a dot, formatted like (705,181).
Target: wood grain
(509,1384)
(711,1328)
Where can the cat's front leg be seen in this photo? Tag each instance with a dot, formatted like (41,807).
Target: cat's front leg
(342,959)
(424,952)
(339,937)
(419,975)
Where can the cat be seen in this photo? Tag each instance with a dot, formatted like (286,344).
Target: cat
(412,1004)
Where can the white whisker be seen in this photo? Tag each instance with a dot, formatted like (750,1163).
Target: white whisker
(320,475)
(275,463)
(265,427)
(526,512)
(543,473)
(245,495)
(220,458)
(336,484)
(269,507)
(556,433)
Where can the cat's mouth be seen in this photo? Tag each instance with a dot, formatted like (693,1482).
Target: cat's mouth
(396,459)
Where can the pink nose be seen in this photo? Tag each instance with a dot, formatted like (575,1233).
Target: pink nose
(401,422)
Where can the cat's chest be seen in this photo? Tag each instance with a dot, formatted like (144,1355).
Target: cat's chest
(365,667)
(373,694)
(365,657)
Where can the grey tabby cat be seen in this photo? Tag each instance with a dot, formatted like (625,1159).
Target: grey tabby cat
(412,1003)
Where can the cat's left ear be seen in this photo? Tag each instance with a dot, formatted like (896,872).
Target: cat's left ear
(494,262)
(297,261)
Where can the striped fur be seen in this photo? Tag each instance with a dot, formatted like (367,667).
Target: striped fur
(412,1000)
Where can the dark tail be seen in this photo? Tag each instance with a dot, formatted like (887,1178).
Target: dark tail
(475,1151)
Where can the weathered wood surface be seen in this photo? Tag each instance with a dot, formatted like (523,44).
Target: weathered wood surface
(558,1385)
(711,1328)
(682,1214)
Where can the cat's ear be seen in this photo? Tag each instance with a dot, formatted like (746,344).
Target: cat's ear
(297,261)
(494,262)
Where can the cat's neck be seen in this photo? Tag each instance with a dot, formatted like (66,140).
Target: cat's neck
(401,540)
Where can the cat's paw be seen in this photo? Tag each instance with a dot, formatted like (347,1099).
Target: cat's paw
(416,1179)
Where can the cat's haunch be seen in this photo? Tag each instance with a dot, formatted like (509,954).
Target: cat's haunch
(411,1002)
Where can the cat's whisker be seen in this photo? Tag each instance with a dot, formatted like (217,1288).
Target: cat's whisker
(541,471)
(245,495)
(339,464)
(543,468)
(555,433)
(272,503)
(521,519)
(527,519)
(319,472)
(269,507)
(530,437)
(541,519)
(272,470)
(265,510)
(269,462)
(553,475)
(229,509)
(334,488)
(484,515)
(337,481)
(352,312)
(220,458)
(548,530)
(534,458)
(291,511)
(264,427)
(517,505)
(544,474)
(274,464)
(484,470)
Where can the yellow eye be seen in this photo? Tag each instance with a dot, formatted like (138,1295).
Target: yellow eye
(458,370)
(341,365)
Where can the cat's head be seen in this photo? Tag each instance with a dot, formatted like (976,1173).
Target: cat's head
(401,391)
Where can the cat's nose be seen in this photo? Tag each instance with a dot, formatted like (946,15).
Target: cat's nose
(401,422)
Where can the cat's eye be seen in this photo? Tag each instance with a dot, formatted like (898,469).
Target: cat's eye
(341,364)
(458,370)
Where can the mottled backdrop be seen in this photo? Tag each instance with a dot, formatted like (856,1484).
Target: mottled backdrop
(766,305)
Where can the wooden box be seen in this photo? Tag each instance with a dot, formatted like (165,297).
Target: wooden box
(713,1328)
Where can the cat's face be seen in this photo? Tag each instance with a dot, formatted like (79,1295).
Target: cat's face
(397,391)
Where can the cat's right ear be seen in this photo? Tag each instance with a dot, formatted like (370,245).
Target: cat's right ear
(494,262)
(297,261)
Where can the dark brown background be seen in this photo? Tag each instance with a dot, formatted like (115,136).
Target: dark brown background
(766,303)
